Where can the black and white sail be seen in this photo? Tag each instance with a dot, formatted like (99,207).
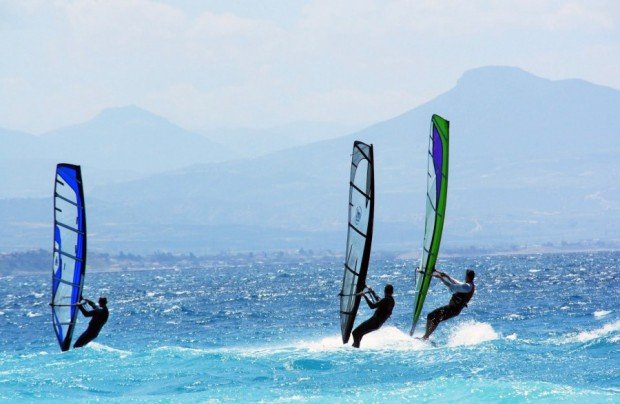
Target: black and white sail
(359,238)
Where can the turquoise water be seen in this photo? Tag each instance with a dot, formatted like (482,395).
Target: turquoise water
(540,328)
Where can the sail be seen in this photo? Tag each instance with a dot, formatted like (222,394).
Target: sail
(359,237)
(436,195)
(69,251)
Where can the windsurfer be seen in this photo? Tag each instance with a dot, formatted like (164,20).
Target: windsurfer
(99,315)
(383,311)
(462,293)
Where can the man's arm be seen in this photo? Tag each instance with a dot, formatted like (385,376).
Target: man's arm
(452,284)
(370,303)
(450,279)
(85,312)
(443,277)
(374,295)
(459,287)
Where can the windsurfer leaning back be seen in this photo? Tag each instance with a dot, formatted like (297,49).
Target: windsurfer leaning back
(99,316)
(383,311)
(461,295)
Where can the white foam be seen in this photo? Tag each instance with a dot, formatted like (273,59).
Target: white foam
(104,348)
(511,337)
(183,350)
(386,338)
(601,313)
(471,333)
(33,314)
(585,336)
(325,344)
(173,308)
(35,354)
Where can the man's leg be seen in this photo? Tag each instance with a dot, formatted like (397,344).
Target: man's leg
(363,329)
(432,321)
(437,316)
(86,337)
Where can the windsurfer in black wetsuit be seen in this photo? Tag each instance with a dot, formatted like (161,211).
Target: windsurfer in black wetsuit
(99,316)
(461,295)
(383,311)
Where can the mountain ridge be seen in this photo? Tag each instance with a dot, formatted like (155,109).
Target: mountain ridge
(528,164)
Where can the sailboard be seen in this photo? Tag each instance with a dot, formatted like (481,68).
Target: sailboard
(436,196)
(69,251)
(359,236)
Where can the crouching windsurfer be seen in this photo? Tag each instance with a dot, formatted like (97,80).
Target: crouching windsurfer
(383,311)
(99,314)
(461,295)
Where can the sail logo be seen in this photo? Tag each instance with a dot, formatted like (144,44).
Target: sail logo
(56,254)
(358,215)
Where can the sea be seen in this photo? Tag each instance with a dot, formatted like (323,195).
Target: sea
(540,328)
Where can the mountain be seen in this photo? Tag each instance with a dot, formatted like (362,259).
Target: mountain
(119,144)
(132,138)
(531,160)
(248,143)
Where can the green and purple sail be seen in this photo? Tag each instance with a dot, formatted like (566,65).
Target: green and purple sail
(436,196)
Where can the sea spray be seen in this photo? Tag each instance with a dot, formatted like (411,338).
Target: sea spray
(471,333)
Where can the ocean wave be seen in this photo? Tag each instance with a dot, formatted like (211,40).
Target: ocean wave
(173,308)
(601,313)
(387,338)
(96,346)
(586,336)
(182,350)
(511,337)
(471,333)
(484,389)
(34,354)
(32,314)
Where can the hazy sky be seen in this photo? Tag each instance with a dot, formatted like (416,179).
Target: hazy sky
(263,63)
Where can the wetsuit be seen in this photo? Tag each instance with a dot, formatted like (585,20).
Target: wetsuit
(383,311)
(99,318)
(462,294)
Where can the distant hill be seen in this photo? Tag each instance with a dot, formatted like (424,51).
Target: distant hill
(133,138)
(117,145)
(532,160)
(250,143)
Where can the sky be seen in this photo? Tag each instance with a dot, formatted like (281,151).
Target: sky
(257,64)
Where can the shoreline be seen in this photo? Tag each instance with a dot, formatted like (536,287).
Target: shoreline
(174,263)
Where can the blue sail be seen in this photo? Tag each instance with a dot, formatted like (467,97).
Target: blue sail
(69,251)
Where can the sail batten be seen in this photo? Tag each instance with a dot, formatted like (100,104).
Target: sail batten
(359,236)
(436,197)
(69,251)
